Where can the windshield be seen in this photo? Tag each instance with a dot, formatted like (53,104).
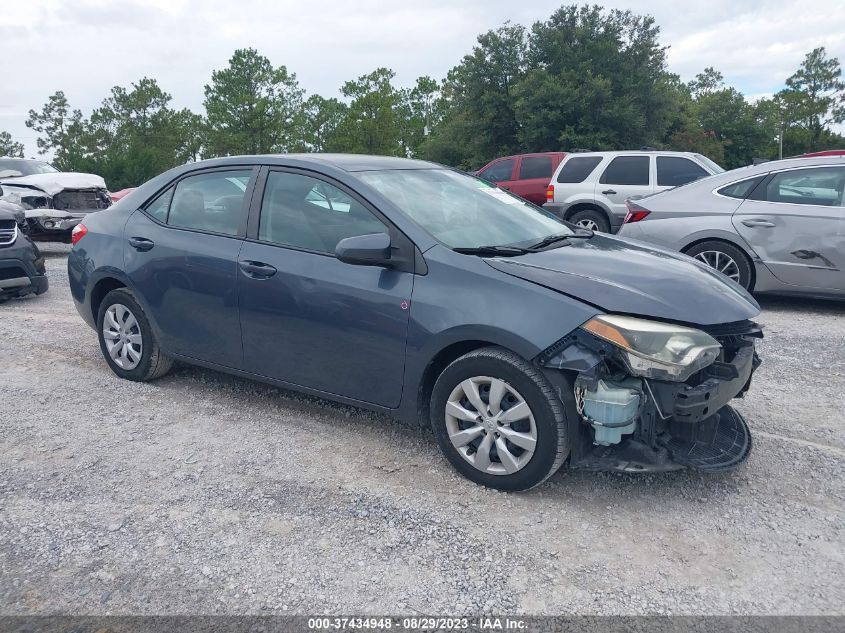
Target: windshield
(462,211)
(14,167)
(714,167)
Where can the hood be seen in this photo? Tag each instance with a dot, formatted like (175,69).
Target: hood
(628,277)
(9,211)
(51,184)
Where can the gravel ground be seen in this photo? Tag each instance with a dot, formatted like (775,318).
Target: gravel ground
(203,493)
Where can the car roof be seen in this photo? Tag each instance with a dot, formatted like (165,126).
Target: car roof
(345,162)
(631,151)
(788,163)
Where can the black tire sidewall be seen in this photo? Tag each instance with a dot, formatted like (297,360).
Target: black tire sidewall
(596,216)
(545,420)
(735,253)
(141,371)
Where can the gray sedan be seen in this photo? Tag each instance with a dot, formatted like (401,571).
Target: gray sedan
(777,227)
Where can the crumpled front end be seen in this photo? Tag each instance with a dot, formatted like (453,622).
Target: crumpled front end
(636,414)
(51,214)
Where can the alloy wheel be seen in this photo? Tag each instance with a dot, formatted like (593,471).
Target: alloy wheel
(122,336)
(720,261)
(491,425)
(587,223)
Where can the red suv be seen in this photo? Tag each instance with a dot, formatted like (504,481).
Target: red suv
(526,175)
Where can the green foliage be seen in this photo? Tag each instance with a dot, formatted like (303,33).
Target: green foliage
(252,107)
(9,147)
(585,78)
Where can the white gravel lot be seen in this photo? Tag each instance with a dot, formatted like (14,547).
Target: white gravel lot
(203,493)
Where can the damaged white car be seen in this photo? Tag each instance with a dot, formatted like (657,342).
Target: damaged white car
(53,202)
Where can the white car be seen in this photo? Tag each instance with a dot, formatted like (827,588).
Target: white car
(590,188)
(53,202)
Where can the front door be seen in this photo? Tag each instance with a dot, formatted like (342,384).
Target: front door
(308,318)
(795,222)
(181,256)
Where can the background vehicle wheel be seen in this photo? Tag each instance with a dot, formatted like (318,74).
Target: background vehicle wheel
(591,219)
(127,340)
(498,420)
(726,258)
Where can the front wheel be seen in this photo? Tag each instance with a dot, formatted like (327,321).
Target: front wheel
(498,420)
(127,341)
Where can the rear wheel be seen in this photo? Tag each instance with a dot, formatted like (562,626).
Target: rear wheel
(725,258)
(591,219)
(127,340)
(498,420)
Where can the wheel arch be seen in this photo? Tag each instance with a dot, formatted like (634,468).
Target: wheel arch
(587,206)
(99,290)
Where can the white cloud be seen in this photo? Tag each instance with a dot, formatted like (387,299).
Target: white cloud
(85,47)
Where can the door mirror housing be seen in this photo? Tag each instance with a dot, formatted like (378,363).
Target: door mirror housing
(365,250)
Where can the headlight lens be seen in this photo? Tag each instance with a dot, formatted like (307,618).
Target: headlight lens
(656,350)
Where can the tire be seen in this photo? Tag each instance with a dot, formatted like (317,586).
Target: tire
(522,383)
(143,359)
(728,259)
(591,219)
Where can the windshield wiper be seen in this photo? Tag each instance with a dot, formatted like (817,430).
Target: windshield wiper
(578,233)
(502,251)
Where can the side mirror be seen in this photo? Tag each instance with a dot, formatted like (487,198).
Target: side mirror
(365,250)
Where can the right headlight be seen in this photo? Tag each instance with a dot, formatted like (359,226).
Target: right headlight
(652,349)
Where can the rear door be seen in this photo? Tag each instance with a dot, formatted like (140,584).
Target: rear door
(624,177)
(181,255)
(533,176)
(794,220)
(501,172)
(308,318)
(674,171)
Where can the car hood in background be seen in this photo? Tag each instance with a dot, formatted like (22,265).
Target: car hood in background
(51,184)
(629,277)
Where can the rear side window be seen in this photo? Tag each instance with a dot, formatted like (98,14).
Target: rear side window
(577,169)
(210,202)
(305,212)
(535,167)
(673,171)
(626,170)
(742,188)
(158,207)
(499,171)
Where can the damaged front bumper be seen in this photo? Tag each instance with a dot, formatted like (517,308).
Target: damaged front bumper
(51,225)
(674,425)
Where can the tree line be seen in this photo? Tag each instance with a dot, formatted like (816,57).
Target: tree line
(585,78)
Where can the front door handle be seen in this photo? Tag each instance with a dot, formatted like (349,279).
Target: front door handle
(141,244)
(257,270)
(609,192)
(758,222)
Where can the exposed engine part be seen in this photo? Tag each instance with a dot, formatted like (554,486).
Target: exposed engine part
(610,406)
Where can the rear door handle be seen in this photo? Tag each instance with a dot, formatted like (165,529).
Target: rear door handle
(141,243)
(757,222)
(257,270)
(609,192)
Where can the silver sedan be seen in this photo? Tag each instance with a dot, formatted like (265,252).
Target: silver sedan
(778,227)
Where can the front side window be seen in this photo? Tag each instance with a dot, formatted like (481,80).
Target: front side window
(210,202)
(305,212)
(461,211)
(535,167)
(577,169)
(819,186)
(626,170)
(674,171)
(499,172)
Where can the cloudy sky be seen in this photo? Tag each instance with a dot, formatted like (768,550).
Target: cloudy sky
(85,47)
